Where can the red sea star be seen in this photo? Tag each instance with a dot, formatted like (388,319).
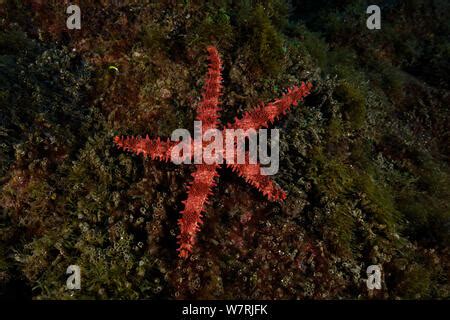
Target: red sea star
(204,175)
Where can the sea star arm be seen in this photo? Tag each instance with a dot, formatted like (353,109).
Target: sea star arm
(153,148)
(252,174)
(191,216)
(262,116)
(207,109)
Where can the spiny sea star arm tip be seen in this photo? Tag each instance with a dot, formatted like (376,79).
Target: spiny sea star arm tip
(252,174)
(208,109)
(265,114)
(194,205)
(153,148)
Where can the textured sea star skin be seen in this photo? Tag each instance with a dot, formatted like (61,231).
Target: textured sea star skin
(204,175)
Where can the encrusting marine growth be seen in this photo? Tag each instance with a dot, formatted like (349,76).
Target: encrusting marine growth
(204,175)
